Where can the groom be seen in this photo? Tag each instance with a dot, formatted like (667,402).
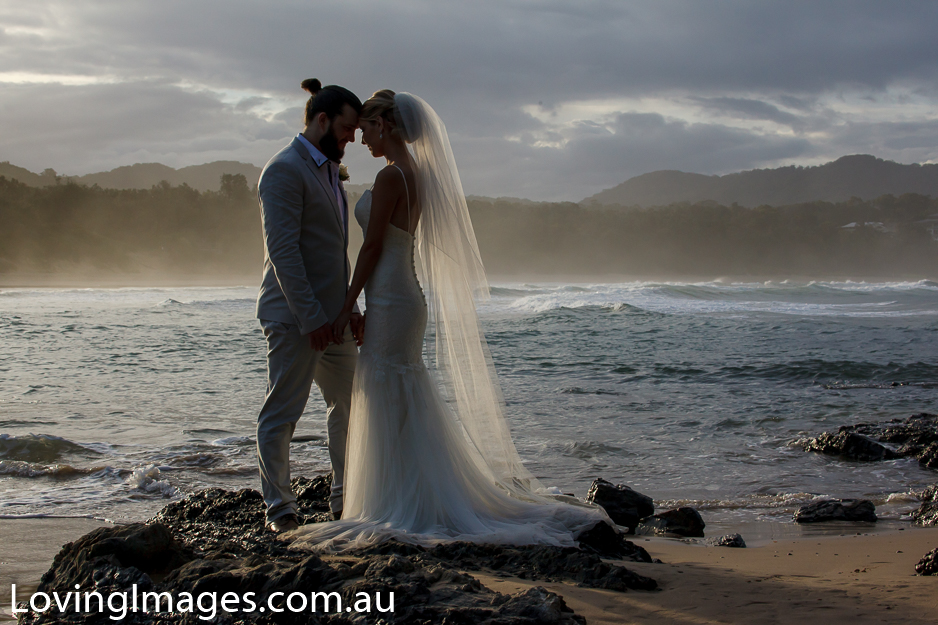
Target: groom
(304,211)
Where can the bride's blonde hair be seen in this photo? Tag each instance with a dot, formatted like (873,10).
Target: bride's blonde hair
(381,104)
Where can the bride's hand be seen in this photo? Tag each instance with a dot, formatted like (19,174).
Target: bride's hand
(339,325)
(358,327)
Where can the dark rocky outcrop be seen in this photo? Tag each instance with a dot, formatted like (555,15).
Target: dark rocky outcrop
(850,445)
(631,509)
(915,437)
(113,556)
(218,519)
(927,513)
(928,457)
(729,540)
(215,541)
(928,565)
(606,542)
(682,521)
(312,495)
(538,563)
(624,506)
(837,510)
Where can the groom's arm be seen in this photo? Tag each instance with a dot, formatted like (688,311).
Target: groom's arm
(281,198)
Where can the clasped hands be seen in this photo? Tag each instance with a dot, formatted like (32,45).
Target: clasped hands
(328,333)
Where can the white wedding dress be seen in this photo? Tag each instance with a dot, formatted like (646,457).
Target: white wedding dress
(414,472)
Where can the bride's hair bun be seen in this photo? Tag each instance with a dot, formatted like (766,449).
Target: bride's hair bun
(312,85)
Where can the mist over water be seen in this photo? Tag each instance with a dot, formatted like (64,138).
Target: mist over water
(114,401)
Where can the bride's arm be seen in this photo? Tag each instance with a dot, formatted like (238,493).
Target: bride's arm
(386,193)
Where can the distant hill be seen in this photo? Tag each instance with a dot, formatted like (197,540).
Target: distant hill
(25,176)
(142,175)
(860,175)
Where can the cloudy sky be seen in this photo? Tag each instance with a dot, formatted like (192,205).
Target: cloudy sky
(545,99)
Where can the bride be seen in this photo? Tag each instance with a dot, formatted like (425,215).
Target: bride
(429,455)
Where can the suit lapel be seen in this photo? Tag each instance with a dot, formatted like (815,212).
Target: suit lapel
(322,176)
(345,200)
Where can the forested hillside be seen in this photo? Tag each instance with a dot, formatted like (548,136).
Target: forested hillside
(889,237)
(87,232)
(82,230)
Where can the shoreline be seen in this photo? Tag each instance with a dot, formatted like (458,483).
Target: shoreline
(848,572)
(123,281)
(104,280)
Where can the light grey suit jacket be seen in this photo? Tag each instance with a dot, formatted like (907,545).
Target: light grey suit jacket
(306,268)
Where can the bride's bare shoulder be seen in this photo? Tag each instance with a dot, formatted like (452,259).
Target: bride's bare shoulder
(390,175)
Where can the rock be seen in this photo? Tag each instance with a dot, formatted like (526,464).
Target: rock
(540,606)
(537,562)
(930,494)
(235,521)
(254,573)
(837,510)
(927,513)
(916,437)
(682,521)
(928,458)
(147,549)
(624,506)
(850,445)
(729,540)
(922,426)
(928,565)
(109,560)
(312,494)
(607,542)
(215,541)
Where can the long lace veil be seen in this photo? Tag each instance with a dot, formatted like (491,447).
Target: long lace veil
(453,278)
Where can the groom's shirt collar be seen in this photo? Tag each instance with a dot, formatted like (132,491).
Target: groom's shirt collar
(333,172)
(313,151)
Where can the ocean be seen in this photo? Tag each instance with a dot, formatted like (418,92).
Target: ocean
(115,401)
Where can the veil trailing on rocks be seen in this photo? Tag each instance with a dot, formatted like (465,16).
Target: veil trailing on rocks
(453,278)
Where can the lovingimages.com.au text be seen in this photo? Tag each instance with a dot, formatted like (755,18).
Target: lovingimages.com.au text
(205,605)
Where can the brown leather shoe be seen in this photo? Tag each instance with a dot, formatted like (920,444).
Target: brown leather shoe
(286,523)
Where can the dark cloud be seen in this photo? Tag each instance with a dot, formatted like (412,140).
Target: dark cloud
(480,64)
(750,109)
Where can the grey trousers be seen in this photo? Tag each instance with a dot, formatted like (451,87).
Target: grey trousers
(292,367)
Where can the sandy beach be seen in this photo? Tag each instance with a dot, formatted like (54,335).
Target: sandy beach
(27,547)
(854,578)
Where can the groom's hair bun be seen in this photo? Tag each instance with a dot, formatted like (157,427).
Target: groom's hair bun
(312,85)
(329,100)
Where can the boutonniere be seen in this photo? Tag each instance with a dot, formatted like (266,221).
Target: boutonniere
(343,173)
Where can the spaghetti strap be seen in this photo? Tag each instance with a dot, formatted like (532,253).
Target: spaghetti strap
(407,191)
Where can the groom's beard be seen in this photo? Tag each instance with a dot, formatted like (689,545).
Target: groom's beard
(329,145)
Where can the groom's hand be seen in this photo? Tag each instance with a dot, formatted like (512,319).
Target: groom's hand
(320,338)
(357,321)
